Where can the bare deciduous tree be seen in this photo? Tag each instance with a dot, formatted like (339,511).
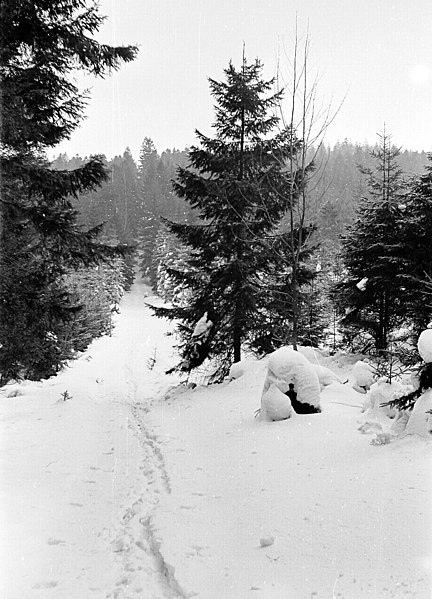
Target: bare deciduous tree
(307,120)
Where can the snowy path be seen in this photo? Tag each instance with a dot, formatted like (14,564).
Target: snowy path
(129,490)
(81,477)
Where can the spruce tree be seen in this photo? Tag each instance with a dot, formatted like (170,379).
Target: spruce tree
(285,298)
(234,183)
(149,187)
(41,44)
(415,215)
(370,294)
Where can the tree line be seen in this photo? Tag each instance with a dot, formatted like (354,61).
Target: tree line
(142,206)
(258,236)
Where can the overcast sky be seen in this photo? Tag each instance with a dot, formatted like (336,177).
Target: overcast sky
(376,52)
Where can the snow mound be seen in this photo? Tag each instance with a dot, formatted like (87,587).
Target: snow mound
(363,376)
(275,405)
(315,355)
(400,423)
(380,393)
(424,345)
(13,392)
(238,369)
(420,421)
(325,376)
(387,422)
(287,366)
(266,541)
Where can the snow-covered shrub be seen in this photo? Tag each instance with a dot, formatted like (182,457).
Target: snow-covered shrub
(381,393)
(96,293)
(196,347)
(424,374)
(325,375)
(420,420)
(414,407)
(169,253)
(287,366)
(237,370)
(247,366)
(363,376)
(397,359)
(399,425)
(424,345)
(275,405)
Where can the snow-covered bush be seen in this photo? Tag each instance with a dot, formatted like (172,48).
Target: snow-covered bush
(96,293)
(275,405)
(363,376)
(424,345)
(420,420)
(239,369)
(381,393)
(287,366)
(169,253)
(325,375)
(415,407)
(400,422)
(423,374)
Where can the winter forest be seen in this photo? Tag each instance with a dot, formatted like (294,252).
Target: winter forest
(216,361)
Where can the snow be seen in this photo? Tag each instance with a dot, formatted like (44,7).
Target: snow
(241,368)
(138,488)
(363,376)
(325,375)
(287,366)
(275,405)
(381,392)
(361,285)
(202,327)
(424,345)
(420,422)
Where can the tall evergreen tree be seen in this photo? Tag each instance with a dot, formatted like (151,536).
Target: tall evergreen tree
(283,302)
(370,293)
(415,215)
(125,196)
(234,181)
(41,44)
(149,186)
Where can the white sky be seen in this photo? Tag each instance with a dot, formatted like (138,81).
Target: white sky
(378,52)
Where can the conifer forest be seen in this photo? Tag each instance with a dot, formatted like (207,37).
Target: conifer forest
(275,237)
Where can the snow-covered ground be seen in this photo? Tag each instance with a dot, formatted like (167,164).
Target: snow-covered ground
(137,488)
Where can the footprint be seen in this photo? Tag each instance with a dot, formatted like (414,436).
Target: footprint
(56,542)
(46,585)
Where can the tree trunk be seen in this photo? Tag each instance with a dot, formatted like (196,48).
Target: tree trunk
(237,342)
(296,312)
(381,339)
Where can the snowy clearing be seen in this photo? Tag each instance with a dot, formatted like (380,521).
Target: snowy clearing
(134,487)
